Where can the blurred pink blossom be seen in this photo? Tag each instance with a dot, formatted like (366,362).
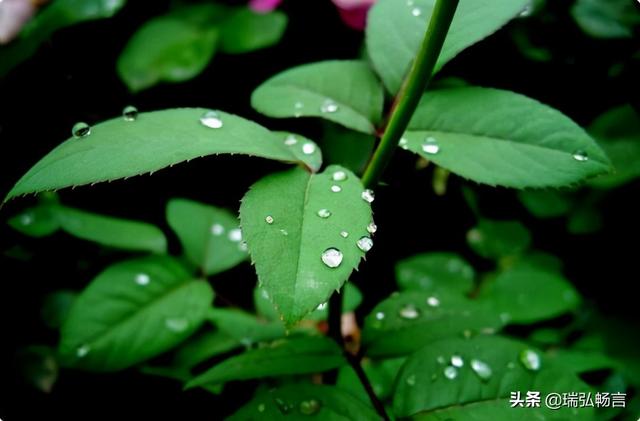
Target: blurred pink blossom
(264,5)
(13,15)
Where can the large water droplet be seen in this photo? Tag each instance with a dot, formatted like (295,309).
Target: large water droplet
(457,361)
(430,146)
(368,196)
(269,219)
(324,213)
(530,360)
(176,324)
(130,113)
(82,351)
(339,176)
(365,244)
(580,156)
(235,235)
(411,380)
(336,189)
(211,120)
(372,228)
(344,234)
(332,257)
(450,372)
(81,130)
(329,106)
(308,148)
(290,140)
(217,229)
(482,369)
(310,407)
(416,11)
(142,279)
(433,301)
(409,312)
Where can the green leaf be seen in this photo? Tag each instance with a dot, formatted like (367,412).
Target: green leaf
(59,14)
(298,355)
(304,149)
(381,375)
(394,32)
(347,148)
(166,49)
(435,271)
(245,327)
(606,18)
(423,390)
(288,239)
(545,203)
(133,311)
(618,132)
(56,306)
(299,401)
(117,148)
(502,138)
(495,239)
(203,347)
(345,92)
(247,31)
(405,322)
(584,220)
(38,221)
(526,295)
(210,236)
(580,361)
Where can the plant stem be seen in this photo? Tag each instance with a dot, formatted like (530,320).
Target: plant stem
(354,361)
(335,318)
(412,89)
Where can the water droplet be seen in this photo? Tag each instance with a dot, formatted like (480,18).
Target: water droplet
(269,219)
(372,228)
(344,234)
(310,407)
(81,130)
(211,120)
(217,229)
(235,235)
(332,257)
(368,196)
(409,312)
(322,306)
(283,407)
(430,146)
(176,324)
(242,246)
(380,315)
(284,232)
(26,219)
(339,176)
(290,140)
(329,106)
(433,301)
(580,156)
(82,351)
(336,189)
(308,148)
(450,372)
(142,279)
(530,360)
(410,3)
(441,360)
(416,11)
(404,143)
(511,365)
(324,213)
(411,380)
(298,106)
(457,361)
(261,407)
(482,369)
(130,113)
(526,11)
(467,333)
(365,244)
(505,317)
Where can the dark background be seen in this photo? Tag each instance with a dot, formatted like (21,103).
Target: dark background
(72,78)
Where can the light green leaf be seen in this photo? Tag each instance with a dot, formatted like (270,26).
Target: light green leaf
(606,18)
(245,327)
(117,148)
(396,28)
(288,238)
(203,347)
(345,92)
(495,239)
(247,31)
(502,138)
(299,401)
(210,236)
(304,149)
(133,311)
(435,271)
(406,322)
(59,14)
(525,295)
(545,203)
(297,355)
(483,394)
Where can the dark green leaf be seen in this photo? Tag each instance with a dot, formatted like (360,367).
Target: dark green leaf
(347,148)
(494,239)
(545,203)
(606,18)
(247,31)
(579,361)
(245,327)
(56,306)
(38,221)
(288,239)
(381,375)
(435,271)
(203,347)
(345,92)
(584,220)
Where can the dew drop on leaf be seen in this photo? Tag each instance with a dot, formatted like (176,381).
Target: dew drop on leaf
(433,301)
(82,351)
(440,359)
(365,244)
(372,228)
(217,229)
(368,196)
(269,219)
(344,234)
(211,120)
(329,106)
(26,219)
(457,361)
(380,315)
(404,143)
(580,156)
(308,148)
(416,11)
(530,360)
(450,372)
(430,146)
(80,130)
(261,407)
(324,213)
(411,380)
(298,106)
(310,407)
(142,279)
(130,113)
(482,369)
(409,312)
(283,407)
(339,176)
(176,324)
(336,189)
(235,235)
(290,140)
(332,257)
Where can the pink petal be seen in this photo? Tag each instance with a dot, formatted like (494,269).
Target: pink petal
(13,15)
(354,12)
(264,5)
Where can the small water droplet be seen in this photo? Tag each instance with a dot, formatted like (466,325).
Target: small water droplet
(242,246)
(467,333)
(81,130)
(411,380)
(365,244)
(290,140)
(505,317)
(450,372)
(235,235)
(130,113)
(310,407)
(322,306)
(332,257)
(526,11)
(433,301)
(339,176)
(217,229)
(324,213)
(457,361)
(308,148)
(416,11)
(176,324)
(298,106)
(380,315)
(372,228)
(284,232)
(410,3)
(142,279)
(283,407)
(261,407)
(430,146)
(26,219)
(404,143)
(441,360)
(368,196)
(329,106)
(82,351)
(409,312)
(269,219)
(211,120)
(580,156)
(511,365)
(530,360)
(344,234)
(482,369)
(336,189)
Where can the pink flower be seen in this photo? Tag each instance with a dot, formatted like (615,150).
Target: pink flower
(13,15)
(354,12)
(263,6)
